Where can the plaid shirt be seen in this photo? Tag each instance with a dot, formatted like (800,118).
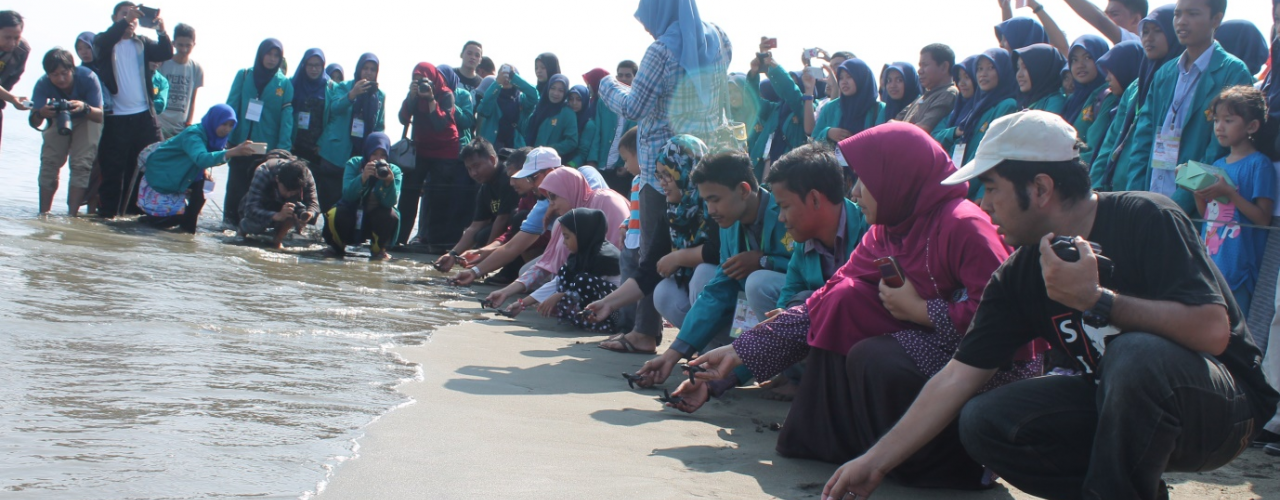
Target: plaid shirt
(664,102)
(263,200)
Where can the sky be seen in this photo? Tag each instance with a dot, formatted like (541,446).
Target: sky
(584,33)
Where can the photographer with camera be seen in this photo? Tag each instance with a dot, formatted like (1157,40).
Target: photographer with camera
(1169,376)
(282,198)
(367,211)
(438,178)
(13,60)
(120,59)
(68,103)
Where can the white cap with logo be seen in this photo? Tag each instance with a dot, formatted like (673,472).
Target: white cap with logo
(542,158)
(1036,136)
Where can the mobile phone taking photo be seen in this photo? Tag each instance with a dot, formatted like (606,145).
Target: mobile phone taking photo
(149,16)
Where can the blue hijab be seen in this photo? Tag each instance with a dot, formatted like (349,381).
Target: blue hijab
(1242,39)
(1020,32)
(261,74)
(1096,47)
(1122,62)
(911,88)
(376,141)
(214,118)
(1044,66)
(583,93)
(962,113)
(1007,88)
(305,87)
(780,145)
(546,109)
(1162,18)
(368,104)
(87,38)
(450,76)
(679,27)
(328,71)
(854,109)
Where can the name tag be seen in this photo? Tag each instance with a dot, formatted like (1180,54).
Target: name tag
(357,127)
(254,113)
(304,121)
(958,156)
(1164,161)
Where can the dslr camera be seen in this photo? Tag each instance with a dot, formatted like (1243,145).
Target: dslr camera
(299,208)
(1065,247)
(424,83)
(383,169)
(63,118)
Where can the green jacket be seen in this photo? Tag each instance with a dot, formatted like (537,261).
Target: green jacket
(179,161)
(159,92)
(464,112)
(335,142)
(829,118)
(767,116)
(947,136)
(559,132)
(600,140)
(1198,141)
(1052,103)
(804,273)
(586,140)
(275,127)
(1098,170)
(354,190)
(490,113)
(1094,120)
(713,312)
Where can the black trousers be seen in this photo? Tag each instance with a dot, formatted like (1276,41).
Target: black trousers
(239,178)
(328,183)
(1157,407)
(448,202)
(123,138)
(846,403)
(378,227)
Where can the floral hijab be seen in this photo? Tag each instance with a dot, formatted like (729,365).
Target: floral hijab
(686,219)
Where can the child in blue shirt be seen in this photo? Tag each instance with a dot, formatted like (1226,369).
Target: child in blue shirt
(1238,114)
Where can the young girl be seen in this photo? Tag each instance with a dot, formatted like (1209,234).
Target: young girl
(1091,92)
(899,87)
(590,273)
(553,124)
(580,104)
(962,74)
(172,189)
(1039,78)
(356,109)
(1238,113)
(855,110)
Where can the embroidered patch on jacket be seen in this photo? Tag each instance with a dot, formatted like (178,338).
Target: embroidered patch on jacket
(279,92)
(553,121)
(788,242)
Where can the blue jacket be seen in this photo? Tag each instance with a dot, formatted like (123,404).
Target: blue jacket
(1198,142)
(804,273)
(713,312)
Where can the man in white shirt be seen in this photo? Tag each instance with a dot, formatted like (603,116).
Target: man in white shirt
(1119,22)
(130,125)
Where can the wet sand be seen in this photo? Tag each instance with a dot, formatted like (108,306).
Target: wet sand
(529,409)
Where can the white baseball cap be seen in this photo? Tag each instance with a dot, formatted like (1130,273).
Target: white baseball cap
(1036,136)
(542,158)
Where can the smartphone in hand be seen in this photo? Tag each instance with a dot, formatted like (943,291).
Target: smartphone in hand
(891,272)
(771,43)
(149,16)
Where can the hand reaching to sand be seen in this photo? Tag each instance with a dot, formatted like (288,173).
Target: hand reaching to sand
(656,370)
(693,395)
(719,363)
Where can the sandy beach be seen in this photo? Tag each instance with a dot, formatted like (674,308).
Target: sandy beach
(530,409)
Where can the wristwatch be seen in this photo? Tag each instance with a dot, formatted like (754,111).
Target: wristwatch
(1099,316)
(764,262)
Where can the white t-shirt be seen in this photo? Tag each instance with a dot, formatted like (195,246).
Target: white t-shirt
(131,97)
(184,79)
(1129,36)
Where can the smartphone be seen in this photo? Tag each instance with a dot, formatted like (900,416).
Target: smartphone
(1020,4)
(811,53)
(815,72)
(149,16)
(506,69)
(890,272)
(259,148)
(771,43)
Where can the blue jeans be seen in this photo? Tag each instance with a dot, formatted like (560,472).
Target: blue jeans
(1157,407)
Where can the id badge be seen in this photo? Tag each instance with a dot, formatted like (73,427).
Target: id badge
(359,219)
(254,113)
(958,156)
(744,318)
(1164,161)
(304,121)
(357,127)
(208,186)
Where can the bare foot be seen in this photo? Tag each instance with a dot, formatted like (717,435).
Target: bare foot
(379,257)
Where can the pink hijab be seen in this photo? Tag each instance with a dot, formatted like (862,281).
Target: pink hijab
(946,245)
(567,183)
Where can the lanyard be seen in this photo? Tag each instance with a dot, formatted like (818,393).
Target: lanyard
(1188,91)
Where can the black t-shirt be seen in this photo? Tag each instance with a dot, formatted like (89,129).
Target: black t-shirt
(495,198)
(470,84)
(1157,256)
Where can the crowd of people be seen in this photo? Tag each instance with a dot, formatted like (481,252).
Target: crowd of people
(931,263)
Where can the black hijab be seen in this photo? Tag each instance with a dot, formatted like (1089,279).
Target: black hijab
(552,64)
(595,255)
(261,74)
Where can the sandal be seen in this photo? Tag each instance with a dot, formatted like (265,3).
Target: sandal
(627,348)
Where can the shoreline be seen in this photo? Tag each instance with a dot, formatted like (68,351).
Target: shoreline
(532,409)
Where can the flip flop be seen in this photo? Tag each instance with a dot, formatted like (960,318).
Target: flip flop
(627,348)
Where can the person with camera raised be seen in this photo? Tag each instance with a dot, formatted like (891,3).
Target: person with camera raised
(438,178)
(1169,376)
(67,98)
(281,198)
(367,211)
